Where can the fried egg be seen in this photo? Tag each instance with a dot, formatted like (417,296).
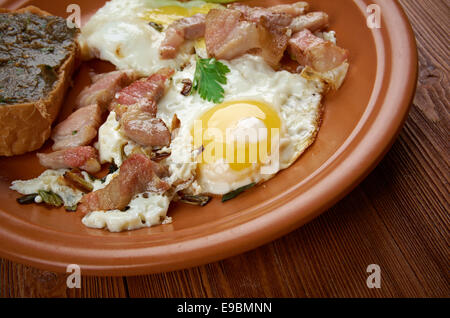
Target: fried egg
(270,117)
(121,32)
(51,180)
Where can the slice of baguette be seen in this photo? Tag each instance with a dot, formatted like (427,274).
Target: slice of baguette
(25,127)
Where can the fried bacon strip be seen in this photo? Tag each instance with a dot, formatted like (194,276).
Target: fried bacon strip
(312,21)
(104,87)
(84,157)
(310,50)
(144,93)
(230,33)
(254,14)
(145,129)
(189,28)
(241,29)
(136,107)
(136,175)
(79,129)
(293,9)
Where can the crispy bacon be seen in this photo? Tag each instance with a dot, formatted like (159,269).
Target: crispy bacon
(230,33)
(79,129)
(254,14)
(189,28)
(136,107)
(273,42)
(103,88)
(293,9)
(313,21)
(145,129)
(173,40)
(137,174)
(145,92)
(84,157)
(310,50)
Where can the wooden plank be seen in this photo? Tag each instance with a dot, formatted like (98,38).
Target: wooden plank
(17,280)
(397,218)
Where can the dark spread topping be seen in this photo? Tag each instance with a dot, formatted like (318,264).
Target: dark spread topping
(32,49)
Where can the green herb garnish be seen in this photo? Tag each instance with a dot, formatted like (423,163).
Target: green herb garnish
(92,178)
(200,200)
(113,168)
(72,208)
(208,77)
(74,132)
(235,193)
(51,198)
(158,27)
(77,181)
(27,199)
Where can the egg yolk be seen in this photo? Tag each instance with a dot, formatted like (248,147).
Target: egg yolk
(239,132)
(168,14)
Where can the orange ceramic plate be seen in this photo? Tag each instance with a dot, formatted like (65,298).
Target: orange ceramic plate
(359,125)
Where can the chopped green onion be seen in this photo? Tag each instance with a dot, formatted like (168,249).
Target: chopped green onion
(158,27)
(72,208)
(235,193)
(78,181)
(113,168)
(27,199)
(51,198)
(200,200)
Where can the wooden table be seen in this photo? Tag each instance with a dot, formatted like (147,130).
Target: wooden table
(397,218)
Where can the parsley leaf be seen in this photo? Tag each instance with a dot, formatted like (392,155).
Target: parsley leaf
(208,77)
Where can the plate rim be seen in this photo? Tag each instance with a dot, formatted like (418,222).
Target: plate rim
(260,230)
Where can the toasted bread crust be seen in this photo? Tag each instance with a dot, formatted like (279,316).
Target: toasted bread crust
(25,127)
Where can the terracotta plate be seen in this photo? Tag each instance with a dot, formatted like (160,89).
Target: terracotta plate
(360,123)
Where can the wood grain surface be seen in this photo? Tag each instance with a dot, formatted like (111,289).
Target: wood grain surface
(397,218)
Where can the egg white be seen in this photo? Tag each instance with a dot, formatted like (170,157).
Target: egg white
(296,100)
(51,180)
(120,33)
(143,212)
